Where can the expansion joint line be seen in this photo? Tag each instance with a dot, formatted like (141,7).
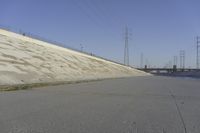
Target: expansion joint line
(178,109)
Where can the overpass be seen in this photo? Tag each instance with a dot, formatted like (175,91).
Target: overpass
(168,70)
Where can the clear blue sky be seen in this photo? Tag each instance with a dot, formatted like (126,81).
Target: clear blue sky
(160,28)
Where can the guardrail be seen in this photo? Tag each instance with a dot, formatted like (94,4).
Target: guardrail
(28,34)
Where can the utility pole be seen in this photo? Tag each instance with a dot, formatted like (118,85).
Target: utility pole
(126,48)
(198,53)
(81,47)
(146,63)
(141,60)
(182,59)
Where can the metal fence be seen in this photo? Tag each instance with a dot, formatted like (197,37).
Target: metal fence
(31,35)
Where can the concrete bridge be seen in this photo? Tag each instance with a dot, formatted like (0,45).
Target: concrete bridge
(168,70)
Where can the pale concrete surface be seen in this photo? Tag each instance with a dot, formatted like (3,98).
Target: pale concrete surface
(130,105)
(24,60)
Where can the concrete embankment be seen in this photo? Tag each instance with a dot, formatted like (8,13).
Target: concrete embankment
(24,60)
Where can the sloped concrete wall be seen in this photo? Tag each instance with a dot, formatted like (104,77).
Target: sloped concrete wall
(24,60)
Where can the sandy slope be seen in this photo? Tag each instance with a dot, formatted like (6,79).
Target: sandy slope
(26,60)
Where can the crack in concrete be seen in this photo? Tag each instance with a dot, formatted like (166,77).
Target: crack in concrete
(178,109)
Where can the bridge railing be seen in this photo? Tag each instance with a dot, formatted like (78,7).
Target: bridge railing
(168,70)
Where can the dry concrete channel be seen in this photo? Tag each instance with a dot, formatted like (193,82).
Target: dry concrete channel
(120,99)
(149,104)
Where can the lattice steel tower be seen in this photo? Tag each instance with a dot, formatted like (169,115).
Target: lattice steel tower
(182,59)
(175,61)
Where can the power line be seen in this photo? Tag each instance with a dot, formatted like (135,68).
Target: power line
(87,12)
(94,13)
(98,11)
(105,12)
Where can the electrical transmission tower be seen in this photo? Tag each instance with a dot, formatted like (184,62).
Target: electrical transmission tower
(126,48)
(198,52)
(182,59)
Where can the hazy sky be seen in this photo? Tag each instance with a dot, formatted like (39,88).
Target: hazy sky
(160,28)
